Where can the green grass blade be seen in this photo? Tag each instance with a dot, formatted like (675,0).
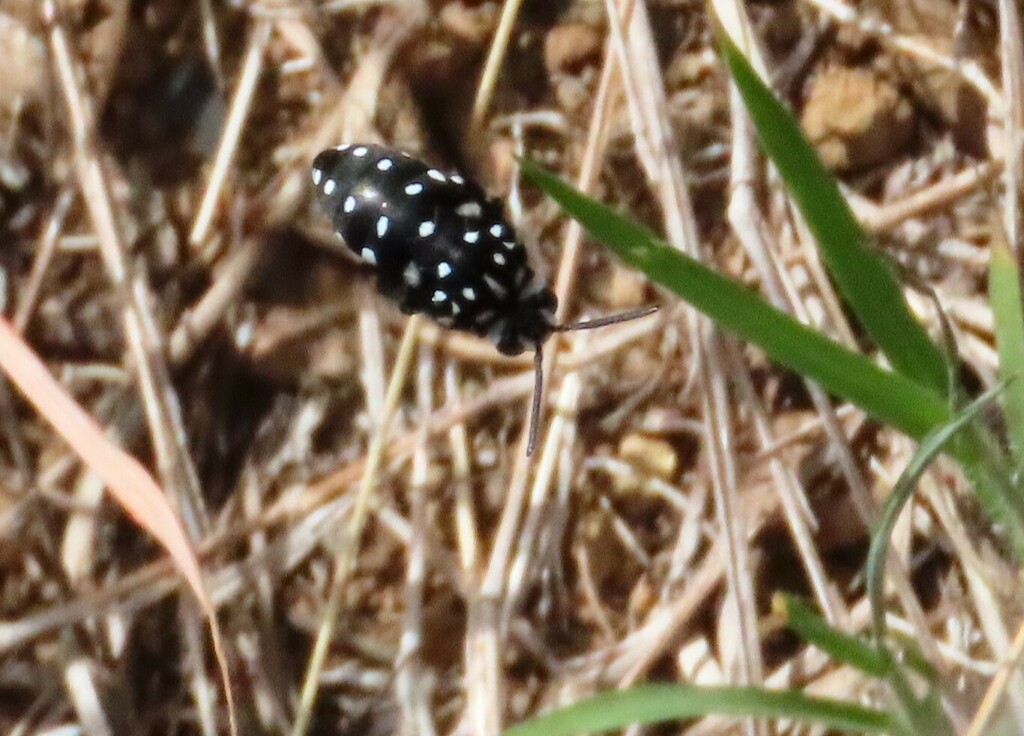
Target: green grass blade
(926,714)
(928,450)
(888,396)
(874,661)
(841,647)
(656,703)
(863,273)
(987,468)
(1008,313)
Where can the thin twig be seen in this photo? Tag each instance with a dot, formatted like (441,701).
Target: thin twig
(411,684)
(241,103)
(196,323)
(349,543)
(495,57)
(44,250)
(666,174)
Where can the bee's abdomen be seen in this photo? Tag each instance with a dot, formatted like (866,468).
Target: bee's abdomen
(438,244)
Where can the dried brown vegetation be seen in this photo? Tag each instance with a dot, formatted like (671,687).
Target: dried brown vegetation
(160,252)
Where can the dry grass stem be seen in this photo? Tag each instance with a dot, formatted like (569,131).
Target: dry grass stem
(353,483)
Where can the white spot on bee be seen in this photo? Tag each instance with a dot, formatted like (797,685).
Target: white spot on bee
(360,151)
(534,288)
(413,189)
(318,175)
(509,244)
(427,228)
(343,147)
(499,258)
(329,186)
(244,334)
(349,204)
(485,316)
(469,209)
(497,230)
(469,293)
(384,164)
(436,175)
(369,256)
(457,179)
(382,226)
(456,309)
(411,275)
(471,236)
(497,330)
(495,286)
(444,270)
(438,297)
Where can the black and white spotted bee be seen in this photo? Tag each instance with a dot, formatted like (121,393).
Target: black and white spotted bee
(441,247)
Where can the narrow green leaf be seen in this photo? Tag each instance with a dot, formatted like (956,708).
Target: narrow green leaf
(655,703)
(840,646)
(888,396)
(1008,313)
(863,273)
(875,661)
(987,468)
(925,714)
(928,450)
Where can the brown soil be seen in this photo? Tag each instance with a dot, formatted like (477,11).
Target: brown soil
(678,471)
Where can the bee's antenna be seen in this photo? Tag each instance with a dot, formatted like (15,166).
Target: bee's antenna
(613,319)
(538,389)
(538,362)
